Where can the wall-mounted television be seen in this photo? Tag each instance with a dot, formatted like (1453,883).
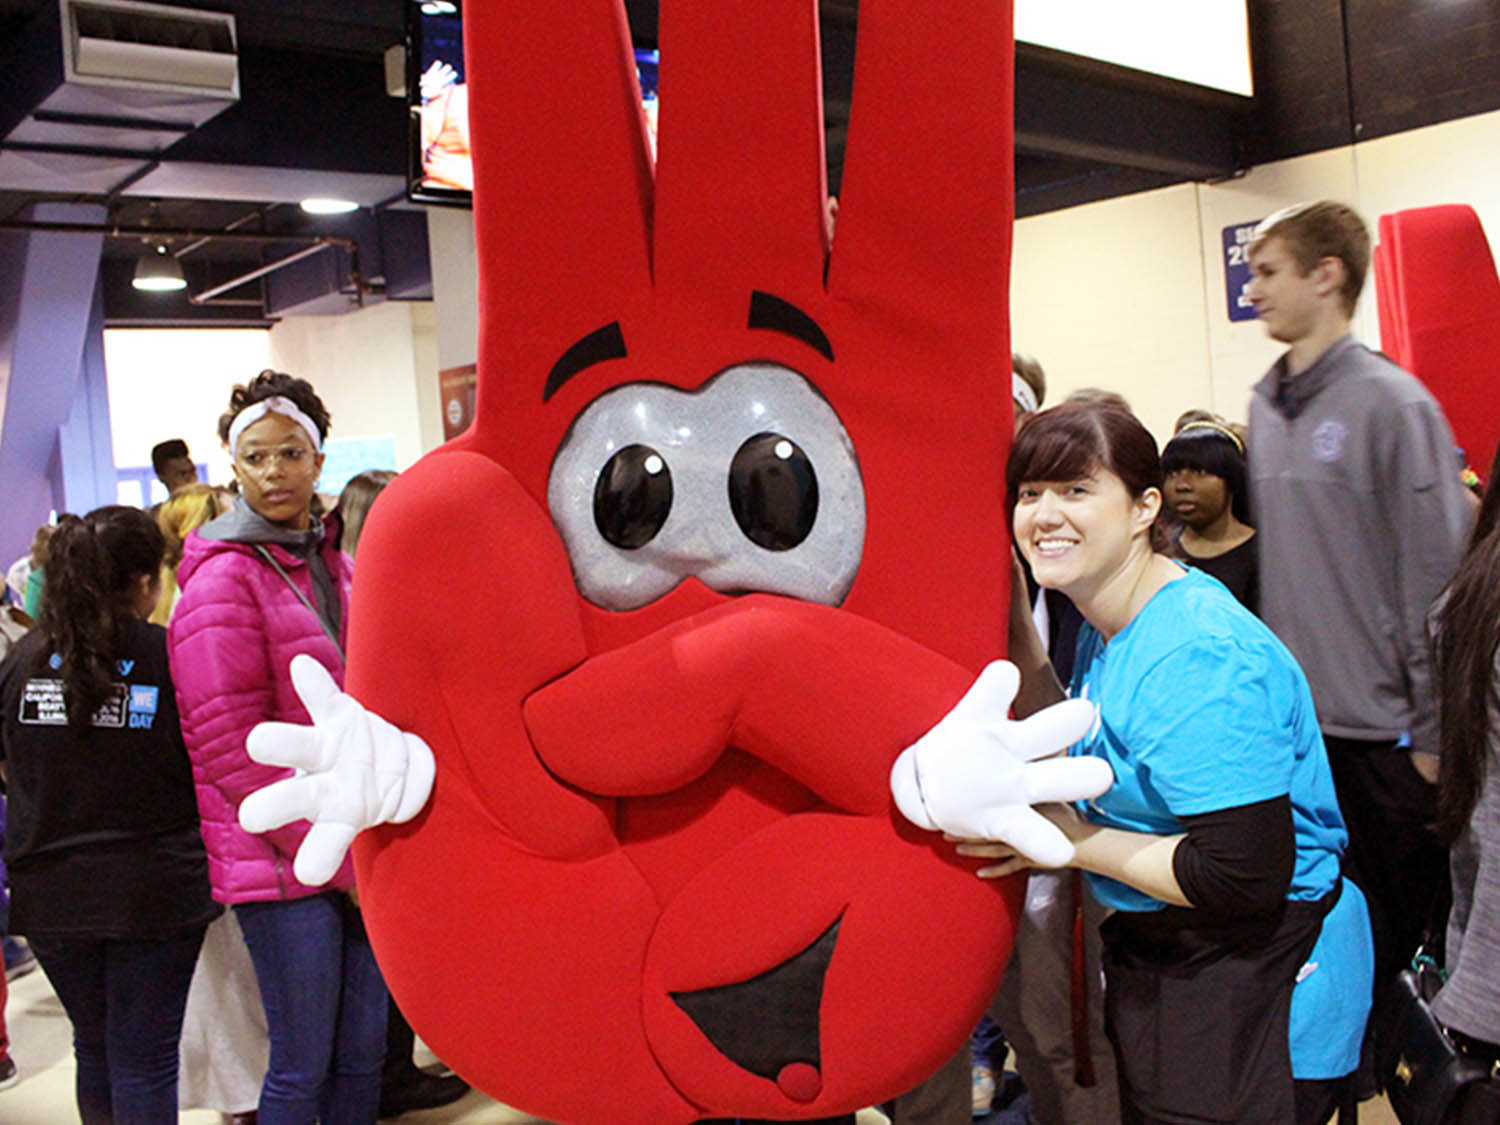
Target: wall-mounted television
(439,165)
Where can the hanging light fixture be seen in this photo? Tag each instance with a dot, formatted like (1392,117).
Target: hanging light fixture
(158,272)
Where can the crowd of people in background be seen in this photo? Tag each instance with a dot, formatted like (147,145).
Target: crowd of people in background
(161,639)
(1290,630)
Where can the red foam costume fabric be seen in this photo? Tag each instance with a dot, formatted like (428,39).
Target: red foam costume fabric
(685,796)
(1439,303)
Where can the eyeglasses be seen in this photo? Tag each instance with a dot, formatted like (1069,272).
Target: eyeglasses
(287,456)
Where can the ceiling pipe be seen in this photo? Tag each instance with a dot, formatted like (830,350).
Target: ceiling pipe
(272,267)
(319,242)
(158,234)
(198,244)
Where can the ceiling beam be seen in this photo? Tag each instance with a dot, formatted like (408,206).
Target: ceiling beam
(1086,118)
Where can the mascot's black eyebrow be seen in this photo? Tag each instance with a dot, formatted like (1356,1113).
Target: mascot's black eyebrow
(600,345)
(767,312)
(774,314)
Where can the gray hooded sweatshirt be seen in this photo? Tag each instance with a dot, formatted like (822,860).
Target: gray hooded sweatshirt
(1361,519)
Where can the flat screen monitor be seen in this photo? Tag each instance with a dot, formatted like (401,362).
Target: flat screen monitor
(440,168)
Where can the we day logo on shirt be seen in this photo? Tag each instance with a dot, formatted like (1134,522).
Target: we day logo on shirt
(143,699)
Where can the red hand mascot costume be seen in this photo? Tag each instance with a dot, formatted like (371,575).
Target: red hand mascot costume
(1440,315)
(727,534)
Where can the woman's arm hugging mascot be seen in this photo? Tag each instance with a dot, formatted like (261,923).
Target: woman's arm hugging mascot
(727,534)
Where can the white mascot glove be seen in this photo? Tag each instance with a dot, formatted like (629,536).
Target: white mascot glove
(974,775)
(355,770)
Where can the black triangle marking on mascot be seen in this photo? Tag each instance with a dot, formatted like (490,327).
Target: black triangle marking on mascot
(769,1022)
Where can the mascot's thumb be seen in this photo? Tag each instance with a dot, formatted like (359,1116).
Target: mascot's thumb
(907,791)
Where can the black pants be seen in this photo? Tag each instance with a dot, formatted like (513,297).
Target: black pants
(1198,1009)
(1318,1099)
(1394,855)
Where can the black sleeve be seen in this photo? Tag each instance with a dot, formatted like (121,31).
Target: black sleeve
(9,670)
(1238,862)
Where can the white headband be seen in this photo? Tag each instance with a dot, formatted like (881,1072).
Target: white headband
(1022,394)
(258,410)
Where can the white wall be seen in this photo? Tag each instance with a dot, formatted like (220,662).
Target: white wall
(376,369)
(1114,288)
(170,382)
(373,369)
(455,284)
(1115,294)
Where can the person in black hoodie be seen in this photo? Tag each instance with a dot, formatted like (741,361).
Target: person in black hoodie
(108,875)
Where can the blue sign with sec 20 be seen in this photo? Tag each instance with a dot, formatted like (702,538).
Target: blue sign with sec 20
(1237,269)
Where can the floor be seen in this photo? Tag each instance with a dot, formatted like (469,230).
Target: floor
(41,1045)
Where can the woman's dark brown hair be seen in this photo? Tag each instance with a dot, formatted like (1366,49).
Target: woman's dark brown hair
(270,384)
(1078,438)
(355,502)
(94,567)
(1465,636)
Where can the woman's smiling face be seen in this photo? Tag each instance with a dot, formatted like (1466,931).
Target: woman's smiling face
(278,468)
(1076,534)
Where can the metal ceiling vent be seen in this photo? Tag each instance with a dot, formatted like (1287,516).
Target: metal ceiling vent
(150,46)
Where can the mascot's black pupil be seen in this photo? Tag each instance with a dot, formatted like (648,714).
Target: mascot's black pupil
(632,497)
(773,492)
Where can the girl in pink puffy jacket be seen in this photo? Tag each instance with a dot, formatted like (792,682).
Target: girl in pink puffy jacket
(260,584)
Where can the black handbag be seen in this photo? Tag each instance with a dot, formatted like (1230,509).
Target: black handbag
(1428,1079)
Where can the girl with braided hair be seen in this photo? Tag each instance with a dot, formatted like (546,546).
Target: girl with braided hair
(108,875)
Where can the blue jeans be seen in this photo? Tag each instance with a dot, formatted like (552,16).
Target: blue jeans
(326,1007)
(125,1000)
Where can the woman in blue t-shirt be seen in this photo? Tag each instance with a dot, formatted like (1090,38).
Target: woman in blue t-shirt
(1218,847)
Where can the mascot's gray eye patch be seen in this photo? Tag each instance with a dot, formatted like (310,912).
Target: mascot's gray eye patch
(749,482)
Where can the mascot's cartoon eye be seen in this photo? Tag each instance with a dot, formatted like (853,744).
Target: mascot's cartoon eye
(748,483)
(773,492)
(632,497)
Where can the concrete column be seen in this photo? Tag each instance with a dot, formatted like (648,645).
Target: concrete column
(48,294)
(86,460)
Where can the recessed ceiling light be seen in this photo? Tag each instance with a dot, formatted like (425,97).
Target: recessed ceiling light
(439,8)
(325,206)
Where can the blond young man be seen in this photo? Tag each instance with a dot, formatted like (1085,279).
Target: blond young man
(1361,520)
